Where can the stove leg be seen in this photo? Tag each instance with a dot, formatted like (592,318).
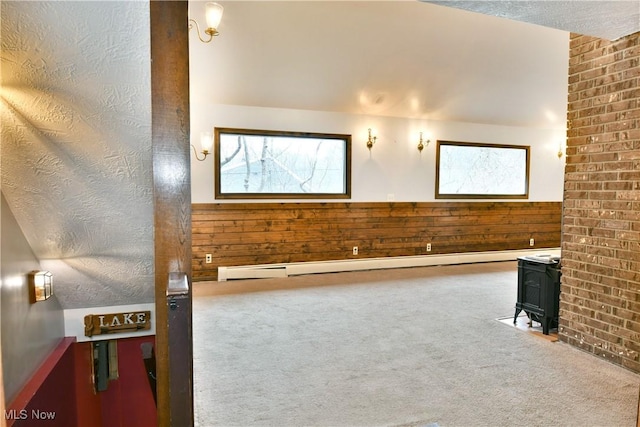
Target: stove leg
(518,310)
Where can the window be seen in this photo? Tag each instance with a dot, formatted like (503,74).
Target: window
(260,164)
(467,170)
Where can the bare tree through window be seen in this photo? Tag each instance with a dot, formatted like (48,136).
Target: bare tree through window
(275,164)
(472,170)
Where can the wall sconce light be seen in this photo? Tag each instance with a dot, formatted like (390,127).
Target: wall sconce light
(371,140)
(560,151)
(421,145)
(206,142)
(40,286)
(213,15)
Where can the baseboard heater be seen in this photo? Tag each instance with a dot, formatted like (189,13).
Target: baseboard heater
(298,268)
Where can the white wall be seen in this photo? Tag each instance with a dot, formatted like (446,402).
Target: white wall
(29,331)
(394,166)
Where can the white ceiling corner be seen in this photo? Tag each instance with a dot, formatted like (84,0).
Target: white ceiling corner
(604,19)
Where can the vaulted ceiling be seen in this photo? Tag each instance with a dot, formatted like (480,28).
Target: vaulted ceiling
(391,58)
(496,62)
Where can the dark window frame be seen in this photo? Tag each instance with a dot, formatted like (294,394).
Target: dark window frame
(497,195)
(346,194)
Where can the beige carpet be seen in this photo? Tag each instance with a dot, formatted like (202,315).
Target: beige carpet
(408,347)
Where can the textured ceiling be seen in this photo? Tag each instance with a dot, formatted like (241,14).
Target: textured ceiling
(599,18)
(76,144)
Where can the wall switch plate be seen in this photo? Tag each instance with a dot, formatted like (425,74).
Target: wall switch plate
(355,250)
(207,258)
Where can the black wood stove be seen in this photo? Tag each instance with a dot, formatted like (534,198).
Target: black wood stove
(539,290)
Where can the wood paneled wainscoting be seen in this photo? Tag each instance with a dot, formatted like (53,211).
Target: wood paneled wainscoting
(238,234)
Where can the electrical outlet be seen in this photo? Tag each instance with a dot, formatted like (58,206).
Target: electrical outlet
(355,250)
(532,242)
(207,258)
(428,247)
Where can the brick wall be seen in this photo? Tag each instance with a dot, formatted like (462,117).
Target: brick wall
(600,300)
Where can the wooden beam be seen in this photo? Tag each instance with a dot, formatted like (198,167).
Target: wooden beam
(172,195)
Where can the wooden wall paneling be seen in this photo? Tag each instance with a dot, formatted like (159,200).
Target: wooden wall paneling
(266,233)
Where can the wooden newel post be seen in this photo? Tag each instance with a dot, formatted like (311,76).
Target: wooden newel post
(172,209)
(180,350)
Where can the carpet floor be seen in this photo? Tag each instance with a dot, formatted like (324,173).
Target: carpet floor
(405,347)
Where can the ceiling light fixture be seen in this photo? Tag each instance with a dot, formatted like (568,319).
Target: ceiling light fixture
(206,143)
(213,15)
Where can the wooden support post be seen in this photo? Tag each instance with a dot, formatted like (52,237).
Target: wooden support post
(172,195)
